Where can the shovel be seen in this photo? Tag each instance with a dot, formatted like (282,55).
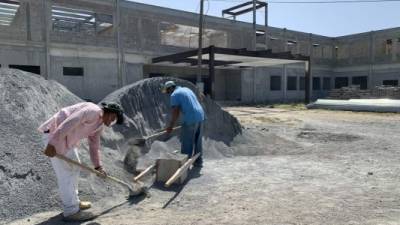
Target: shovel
(132,192)
(142,141)
(139,145)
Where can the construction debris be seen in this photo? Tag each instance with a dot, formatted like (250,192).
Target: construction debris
(354,92)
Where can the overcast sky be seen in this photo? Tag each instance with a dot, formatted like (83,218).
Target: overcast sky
(331,20)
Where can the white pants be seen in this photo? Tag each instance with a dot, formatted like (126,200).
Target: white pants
(67,180)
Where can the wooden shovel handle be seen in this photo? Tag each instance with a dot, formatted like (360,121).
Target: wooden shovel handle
(181,170)
(146,171)
(68,160)
(91,169)
(160,133)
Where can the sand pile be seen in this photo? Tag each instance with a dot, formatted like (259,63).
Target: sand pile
(27,181)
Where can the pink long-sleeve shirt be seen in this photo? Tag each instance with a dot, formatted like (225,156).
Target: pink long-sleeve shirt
(73,123)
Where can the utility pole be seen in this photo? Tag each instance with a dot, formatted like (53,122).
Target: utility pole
(199,84)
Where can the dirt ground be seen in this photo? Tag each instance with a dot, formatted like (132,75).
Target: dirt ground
(305,167)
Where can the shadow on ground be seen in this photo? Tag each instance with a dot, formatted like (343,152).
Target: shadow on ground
(58,219)
(193,174)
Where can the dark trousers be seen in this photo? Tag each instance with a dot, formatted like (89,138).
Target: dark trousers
(191,139)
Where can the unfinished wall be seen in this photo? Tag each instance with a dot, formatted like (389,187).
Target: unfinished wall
(134,72)
(322,82)
(275,84)
(375,47)
(219,86)
(20,38)
(113,56)
(373,54)
(16,27)
(83,22)
(297,71)
(99,76)
(233,87)
(16,55)
(247,78)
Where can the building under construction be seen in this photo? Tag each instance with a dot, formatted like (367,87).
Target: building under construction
(96,46)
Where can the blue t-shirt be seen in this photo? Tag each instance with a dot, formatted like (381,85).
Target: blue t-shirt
(186,100)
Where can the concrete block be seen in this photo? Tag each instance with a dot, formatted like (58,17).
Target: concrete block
(167,167)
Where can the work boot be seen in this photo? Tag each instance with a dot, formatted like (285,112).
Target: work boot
(83,205)
(79,216)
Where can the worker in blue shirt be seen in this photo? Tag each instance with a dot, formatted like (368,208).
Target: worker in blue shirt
(184,101)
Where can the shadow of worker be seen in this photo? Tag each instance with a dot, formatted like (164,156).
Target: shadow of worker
(58,219)
(193,174)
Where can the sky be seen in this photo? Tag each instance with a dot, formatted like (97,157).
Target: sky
(330,20)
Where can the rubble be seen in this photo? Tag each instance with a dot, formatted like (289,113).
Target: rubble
(354,92)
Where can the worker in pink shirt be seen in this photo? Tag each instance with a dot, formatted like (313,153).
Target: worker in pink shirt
(62,134)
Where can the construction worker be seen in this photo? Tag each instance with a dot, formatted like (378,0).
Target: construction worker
(183,100)
(62,134)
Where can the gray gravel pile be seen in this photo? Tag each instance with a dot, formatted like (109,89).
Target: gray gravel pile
(27,180)
(148,111)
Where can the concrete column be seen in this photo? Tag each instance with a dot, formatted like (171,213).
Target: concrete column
(371,59)
(247,85)
(28,22)
(254,85)
(266,27)
(211,71)
(394,48)
(308,88)
(309,72)
(310,45)
(254,26)
(120,57)
(47,25)
(285,46)
(350,44)
(334,52)
(139,34)
(284,81)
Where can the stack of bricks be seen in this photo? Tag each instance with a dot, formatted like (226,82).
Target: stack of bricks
(354,92)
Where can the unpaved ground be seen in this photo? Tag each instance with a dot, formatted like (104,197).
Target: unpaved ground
(328,167)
